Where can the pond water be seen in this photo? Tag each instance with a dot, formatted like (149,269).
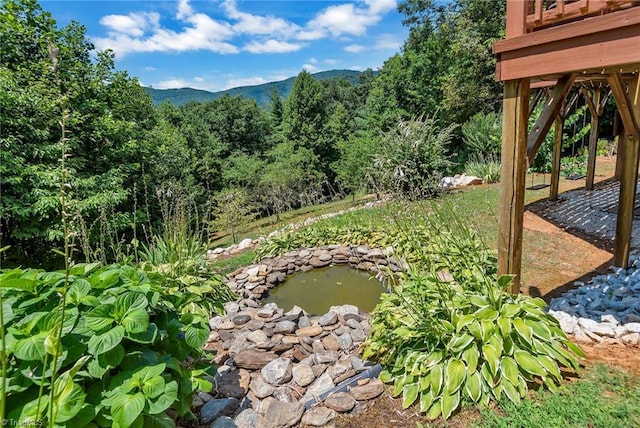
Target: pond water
(319,289)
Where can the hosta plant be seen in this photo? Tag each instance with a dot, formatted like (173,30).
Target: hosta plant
(445,344)
(128,350)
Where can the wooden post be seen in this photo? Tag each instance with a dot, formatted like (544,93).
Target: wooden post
(557,155)
(513,174)
(594,105)
(629,108)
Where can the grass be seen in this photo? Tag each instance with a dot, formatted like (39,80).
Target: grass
(605,396)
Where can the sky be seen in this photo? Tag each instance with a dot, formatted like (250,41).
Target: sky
(217,45)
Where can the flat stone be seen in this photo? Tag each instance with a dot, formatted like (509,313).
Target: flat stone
(304,321)
(254,325)
(257,336)
(260,387)
(327,357)
(339,368)
(331,343)
(248,418)
(284,327)
(218,407)
(367,392)
(346,341)
(277,372)
(325,257)
(344,376)
(608,318)
(252,359)
(329,318)
(223,422)
(318,369)
(263,405)
(226,325)
(303,374)
(282,347)
(631,339)
(312,330)
(290,339)
(241,319)
(358,335)
(633,327)
(317,263)
(353,323)
(340,402)
(318,416)
(234,383)
(321,385)
(283,415)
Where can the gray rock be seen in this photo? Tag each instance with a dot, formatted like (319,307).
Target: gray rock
(346,341)
(340,402)
(358,335)
(353,323)
(304,322)
(326,357)
(303,374)
(318,416)
(223,422)
(252,359)
(283,415)
(633,327)
(257,336)
(321,385)
(329,318)
(241,319)
(248,418)
(231,307)
(218,407)
(284,327)
(260,387)
(277,372)
(610,319)
(370,390)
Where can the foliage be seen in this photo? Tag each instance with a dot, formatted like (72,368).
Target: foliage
(232,211)
(355,163)
(129,349)
(575,165)
(604,396)
(411,158)
(451,335)
(483,134)
(487,168)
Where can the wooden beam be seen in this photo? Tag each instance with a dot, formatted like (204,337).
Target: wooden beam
(548,115)
(557,155)
(516,18)
(539,94)
(594,108)
(512,183)
(629,122)
(628,181)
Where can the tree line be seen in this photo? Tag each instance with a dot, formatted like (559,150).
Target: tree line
(396,131)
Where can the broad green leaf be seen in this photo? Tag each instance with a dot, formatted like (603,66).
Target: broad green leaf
(148,372)
(101,343)
(79,289)
(510,391)
(23,284)
(492,358)
(495,340)
(449,404)
(509,370)
(459,343)
(69,403)
(435,410)
(487,376)
(386,376)
(488,328)
(100,317)
(433,359)
(436,379)
(522,386)
(475,329)
(504,281)
(539,329)
(129,302)
(523,329)
(160,420)
(409,394)
(473,386)
(148,336)
(575,349)
(196,335)
(486,314)
(510,310)
(30,348)
(463,321)
(470,357)
(426,399)
(504,324)
(529,363)
(52,344)
(550,366)
(165,400)
(479,301)
(126,408)
(455,375)
(153,387)
(105,279)
(136,321)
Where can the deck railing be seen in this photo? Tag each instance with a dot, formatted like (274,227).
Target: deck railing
(525,16)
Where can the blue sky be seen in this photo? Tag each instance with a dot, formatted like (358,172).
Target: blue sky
(216,45)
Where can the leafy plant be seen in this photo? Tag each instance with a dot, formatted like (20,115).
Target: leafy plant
(576,165)
(483,134)
(451,335)
(128,351)
(487,168)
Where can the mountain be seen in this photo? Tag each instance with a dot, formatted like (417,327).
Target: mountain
(260,93)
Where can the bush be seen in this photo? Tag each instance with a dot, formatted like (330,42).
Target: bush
(483,134)
(487,168)
(451,335)
(576,165)
(120,348)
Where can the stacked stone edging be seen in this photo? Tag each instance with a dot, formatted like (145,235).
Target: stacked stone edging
(604,310)
(280,369)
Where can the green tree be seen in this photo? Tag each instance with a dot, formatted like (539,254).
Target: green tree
(232,211)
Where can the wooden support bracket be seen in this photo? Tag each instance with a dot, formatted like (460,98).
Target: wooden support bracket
(624,106)
(548,115)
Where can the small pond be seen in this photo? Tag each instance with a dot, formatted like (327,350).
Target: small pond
(319,289)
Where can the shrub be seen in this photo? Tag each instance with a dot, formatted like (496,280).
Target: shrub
(450,334)
(576,165)
(123,349)
(483,134)
(487,168)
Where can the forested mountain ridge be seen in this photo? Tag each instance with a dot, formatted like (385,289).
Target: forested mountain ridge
(260,93)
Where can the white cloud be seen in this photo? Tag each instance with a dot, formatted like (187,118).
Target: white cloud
(172,84)
(388,42)
(256,24)
(135,24)
(331,61)
(354,48)
(271,46)
(246,81)
(380,6)
(313,60)
(344,19)
(149,68)
(184,9)
(310,68)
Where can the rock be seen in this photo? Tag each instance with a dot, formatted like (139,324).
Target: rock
(318,416)
(277,372)
(326,357)
(631,339)
(290,340)
(283,415)
(304,321)
(339,368)
(252,359)
(218,407)
(567,322)
(353,323)
(245,243)
(254,325)
(317,263)
(331,343)
(248,418)
(358,335)
(633,327)
(610,319)
(346,341)
(234,383)
(284,327)
(303,374)
(312,330)
(340,402)
(260,387)
(204,396)
(231,308)
(320,386)
(367,392)
(241,319)
(329,318)
(223,422)
(257,336)
(226,325)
